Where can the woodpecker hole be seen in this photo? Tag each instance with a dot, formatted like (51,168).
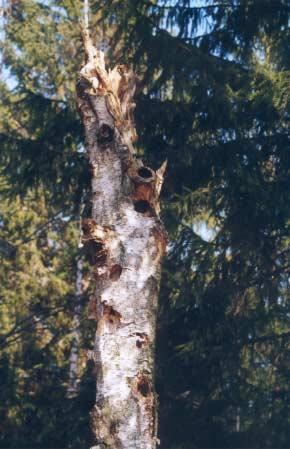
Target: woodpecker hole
(142,206)
(105,134)
(145,173)
(95,252)
(82,85)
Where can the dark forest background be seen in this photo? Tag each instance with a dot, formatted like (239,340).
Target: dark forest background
(214,99)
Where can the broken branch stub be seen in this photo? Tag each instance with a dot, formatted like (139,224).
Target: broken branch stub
(125,241)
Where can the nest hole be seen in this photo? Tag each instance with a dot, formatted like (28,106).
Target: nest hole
(145,173)
(95,252)
(144,387)
(142,206)
(105,134)
(115,272)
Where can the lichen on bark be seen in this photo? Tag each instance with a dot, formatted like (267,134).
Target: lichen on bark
(125,241)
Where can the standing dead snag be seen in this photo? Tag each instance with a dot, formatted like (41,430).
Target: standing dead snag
(125,241)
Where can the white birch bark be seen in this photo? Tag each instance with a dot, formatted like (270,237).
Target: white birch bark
(125,241)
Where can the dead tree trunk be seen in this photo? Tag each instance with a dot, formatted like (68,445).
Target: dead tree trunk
(125,241)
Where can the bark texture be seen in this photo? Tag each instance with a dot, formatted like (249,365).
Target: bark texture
(125,241)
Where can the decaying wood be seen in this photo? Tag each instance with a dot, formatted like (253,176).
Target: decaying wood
(124,240)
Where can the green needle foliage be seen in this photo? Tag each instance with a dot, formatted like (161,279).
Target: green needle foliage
(213,98)
(36,311)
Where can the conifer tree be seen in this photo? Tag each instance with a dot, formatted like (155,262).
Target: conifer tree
(213,98)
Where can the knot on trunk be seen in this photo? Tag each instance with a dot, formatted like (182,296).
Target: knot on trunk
(111,316)
(115,272)
(142,339)
(109,321)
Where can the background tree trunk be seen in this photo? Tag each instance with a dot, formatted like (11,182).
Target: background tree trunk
(124,240)
(73,385)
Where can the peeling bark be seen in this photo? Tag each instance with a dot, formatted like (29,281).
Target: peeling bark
(125,241)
